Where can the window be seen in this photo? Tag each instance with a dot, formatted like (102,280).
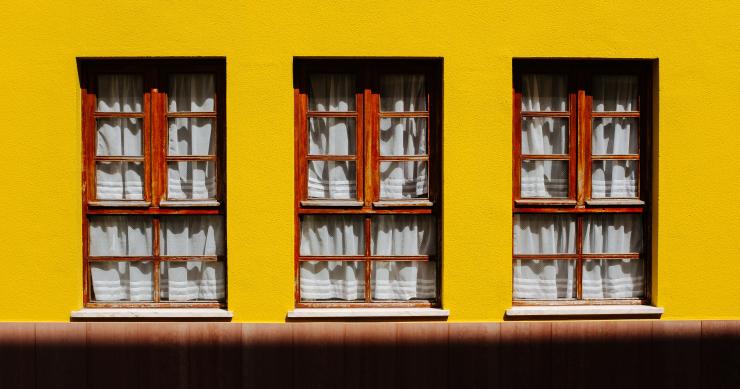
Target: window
(581,182)
(367,179)
(153,187)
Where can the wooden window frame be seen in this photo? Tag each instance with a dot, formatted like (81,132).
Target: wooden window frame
(155,115)
(368,202)
(579,203)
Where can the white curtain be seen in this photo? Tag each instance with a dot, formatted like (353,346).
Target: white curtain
(332,179)
(404,280)
(403,93)
(404,179)
(544,179)
(331,136)
(332,280)
(615,93)
(612,233)
(191,180)
(544,234)
(119,180)
(614,178)
(613,278)
(191,93)
(403,136)
(192,280)
(191,136)
(541,135)
(119,93)
(403,235)
(544,92)
(332,235)
(331,92)
(119,136)
(544,279)
(614,136)
(122,280)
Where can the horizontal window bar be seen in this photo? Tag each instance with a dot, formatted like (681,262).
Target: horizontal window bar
(545,113)
(410,114)
(402,203)
(404,158)
(117,158)
(122,210)
(120,203)
(579,210)
(169,304)
(191,158)
(546,202)
(630,301)
(615,202)
(631,114)
(560,157)
(118,115)
(364,211)
(191,114)
(615,157)
(319,114)
(339,304)
(315,157)
(331,203)
(364,258)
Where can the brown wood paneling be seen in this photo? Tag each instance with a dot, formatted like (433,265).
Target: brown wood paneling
(474,355)
(318,355)
(676,355)
(720,354)
(165,345)
(61,355)
(17,360)
(370,355)
(422,355)
(525,351)
(267,356)
(214,355)
(114,357)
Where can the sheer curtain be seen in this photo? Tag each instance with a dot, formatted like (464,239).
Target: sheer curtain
(544,234)
(331,136)
(613,278)
(403,93)
(403,136)
(544,179)
(117,180)
(544,92)
(615,93)
(121,236)
(404,179)
(192,236)
(191,136)
(331,92)
(191,93)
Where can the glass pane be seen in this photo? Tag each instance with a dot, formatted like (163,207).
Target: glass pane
(543,135)
(191,93)
(191,235)
(332,280)
(331,136)
(613,136)
(191,136)
(615,93)
(119,180)
(403,280)
(191,281)
(403,136)
(332,180)
(122,281)
(331,92)
(612,233)
(403,93)
(614,179)
(537,279)
(544,234)
(191,180)
(119,93)
(119,136)
(404,180)
(403,235)
(544,179)
(332,235)
(544,92)
(613,278)
(120,236)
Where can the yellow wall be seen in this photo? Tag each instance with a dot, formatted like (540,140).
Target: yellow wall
(698,177)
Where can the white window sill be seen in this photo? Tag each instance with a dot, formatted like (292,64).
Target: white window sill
(154,313)
(582,310)
(303,313)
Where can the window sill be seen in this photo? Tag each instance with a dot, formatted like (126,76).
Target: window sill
(615,202)
(331,203)
(115,203)
(592,310)
(321,313)
(189,203)
(151,313)
(402,203)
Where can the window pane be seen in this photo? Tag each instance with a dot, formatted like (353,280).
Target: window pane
(191,180)
(403,235)
(119,136)
(611,136)
(119,93)
(332,280)
(120,236)
(404,180)
(543,135)
(332,235)
(544,234)
(544,92)
(403,136)
(615,93)
(191,280)
(544,179)
(332,93)
(191,235)
(191,136)
(332,180)
(403,280)
(544,279)
(614,179)
(613,278)
(332,136)
(403,93)
(121,281)
(612,233)
(191,93)
(119,180)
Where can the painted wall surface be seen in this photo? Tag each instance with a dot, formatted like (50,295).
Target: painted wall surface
(697,172)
